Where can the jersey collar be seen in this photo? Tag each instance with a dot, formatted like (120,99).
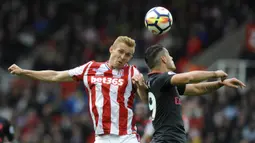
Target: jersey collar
(107,65)
(154,72)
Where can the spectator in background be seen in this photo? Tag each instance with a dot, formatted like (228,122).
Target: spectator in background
(249,132)
(6,130)
(66,23)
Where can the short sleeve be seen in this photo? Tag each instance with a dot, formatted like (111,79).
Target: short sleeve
(181,89)
(165,79)
(78,73)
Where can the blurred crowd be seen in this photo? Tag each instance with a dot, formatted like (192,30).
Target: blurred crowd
(77,31)
(227,116)
(62,34)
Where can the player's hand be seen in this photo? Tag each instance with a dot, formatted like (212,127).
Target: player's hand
(14,69)
(221,74)
(138,80)
(234,83)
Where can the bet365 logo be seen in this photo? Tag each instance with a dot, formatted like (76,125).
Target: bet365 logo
(107,80)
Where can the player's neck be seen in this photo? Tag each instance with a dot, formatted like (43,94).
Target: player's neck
(109,65)
(160,69)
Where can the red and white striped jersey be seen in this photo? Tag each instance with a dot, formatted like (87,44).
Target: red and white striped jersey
(111,96)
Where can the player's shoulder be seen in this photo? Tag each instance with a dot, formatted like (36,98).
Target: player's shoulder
(160,75)
(94,64)
(153,79)
(166,76)
(157,78)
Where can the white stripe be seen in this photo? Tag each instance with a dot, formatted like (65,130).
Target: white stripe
(126,96)
(78,70)
(85,80)
(100,99)
(114,106)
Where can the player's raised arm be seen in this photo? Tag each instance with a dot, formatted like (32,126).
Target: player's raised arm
(207,87)
(158,59)
(44,75)
(196,76)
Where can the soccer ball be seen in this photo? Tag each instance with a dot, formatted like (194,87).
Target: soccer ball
(158,20)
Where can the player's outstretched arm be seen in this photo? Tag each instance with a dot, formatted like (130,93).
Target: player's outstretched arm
(207,87)
(44,75)
(196,76)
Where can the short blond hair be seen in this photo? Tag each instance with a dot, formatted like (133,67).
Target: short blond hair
(125,39)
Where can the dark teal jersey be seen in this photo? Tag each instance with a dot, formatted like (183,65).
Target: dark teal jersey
(165,105)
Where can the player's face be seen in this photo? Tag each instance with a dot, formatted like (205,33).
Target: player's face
(121,54)
(170,63)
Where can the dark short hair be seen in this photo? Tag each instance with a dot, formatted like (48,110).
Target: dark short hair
(151,55)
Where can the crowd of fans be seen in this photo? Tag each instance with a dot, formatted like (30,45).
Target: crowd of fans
(60,35)
(77,31)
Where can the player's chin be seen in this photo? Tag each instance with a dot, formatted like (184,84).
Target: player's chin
(172,68)
(119,65)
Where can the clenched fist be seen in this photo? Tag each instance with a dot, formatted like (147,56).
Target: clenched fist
(138,79)
(221,74)
(14,69)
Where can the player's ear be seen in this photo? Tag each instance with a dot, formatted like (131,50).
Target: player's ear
(163,59)
(111,49)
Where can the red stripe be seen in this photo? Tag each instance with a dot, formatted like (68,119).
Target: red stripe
(131,101)
(80,77)
(132,96)
(106,117)
(130,105)
(123,111)
(94,65)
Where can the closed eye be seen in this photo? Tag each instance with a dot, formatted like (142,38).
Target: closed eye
(121,51)
(129,54)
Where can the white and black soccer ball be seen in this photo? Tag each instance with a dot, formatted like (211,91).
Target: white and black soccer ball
(158,20)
